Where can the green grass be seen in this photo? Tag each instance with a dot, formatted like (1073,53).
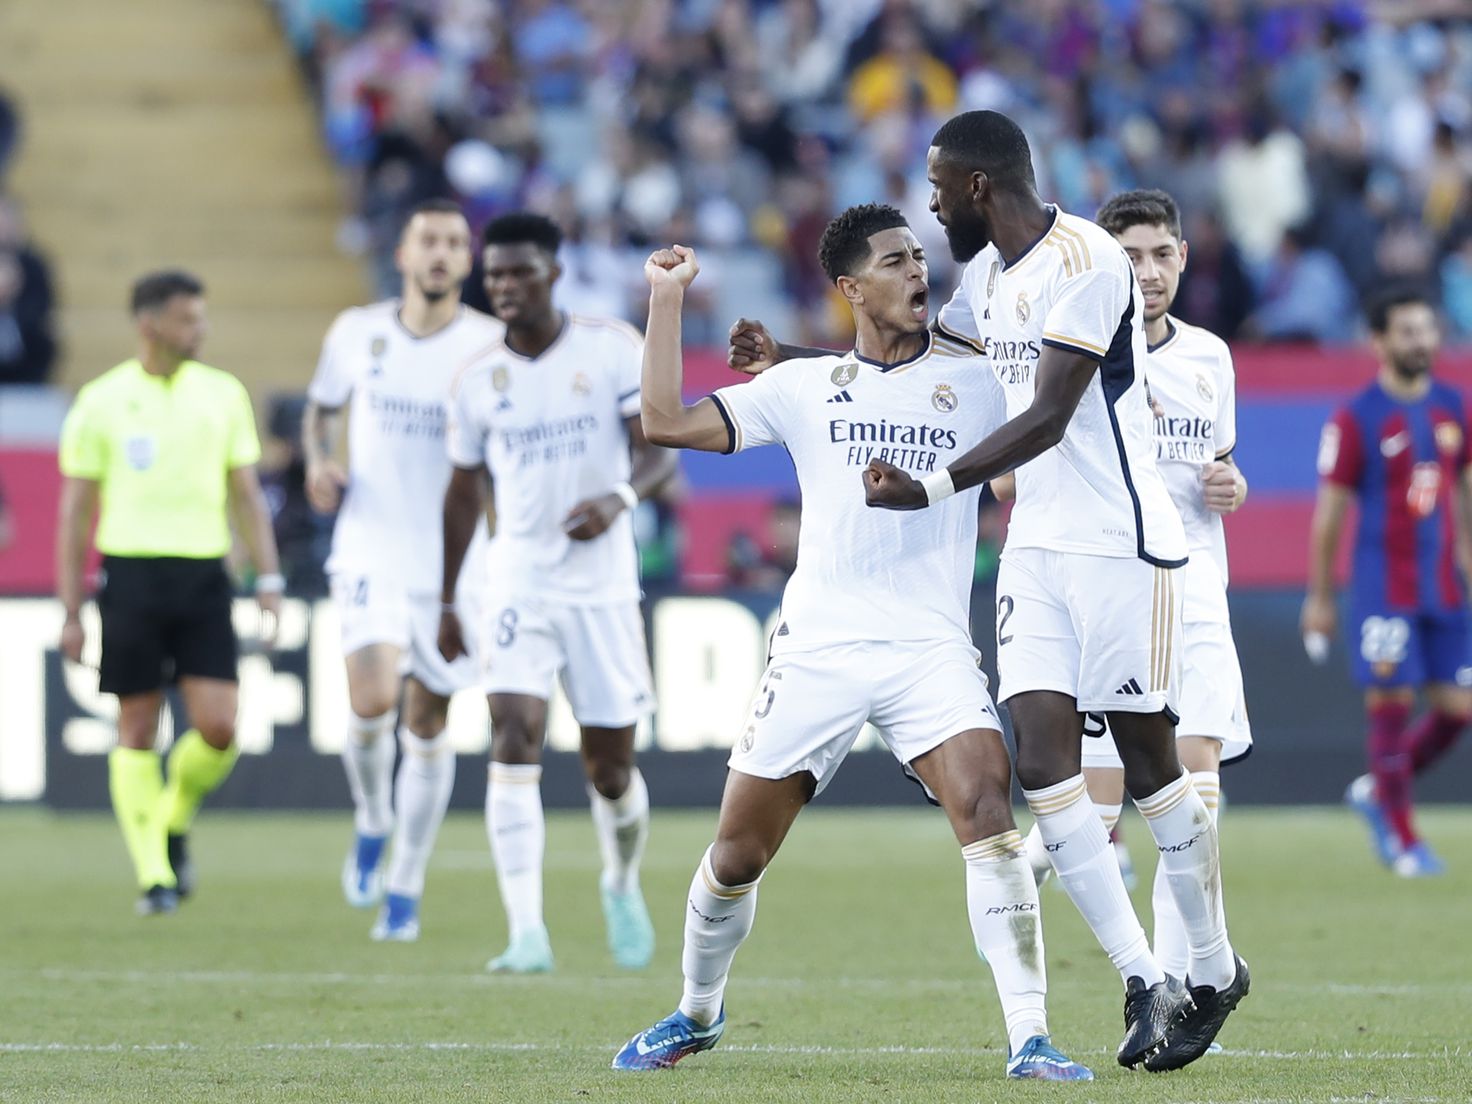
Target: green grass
(859,982)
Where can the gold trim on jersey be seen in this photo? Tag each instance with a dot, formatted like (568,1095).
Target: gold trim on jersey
(1073,248)
(1162,628)
(1077,342)
(952,336)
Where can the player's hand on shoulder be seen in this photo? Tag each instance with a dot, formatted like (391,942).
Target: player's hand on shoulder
(592,517)
(890,488)
(73,639)
(450,639)
(325,483)
(676,265)
(1222,485)
(752,349)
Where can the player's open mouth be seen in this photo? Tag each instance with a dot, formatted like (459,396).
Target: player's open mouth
(920,303)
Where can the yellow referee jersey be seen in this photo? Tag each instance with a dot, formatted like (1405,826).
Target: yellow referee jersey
(162,449)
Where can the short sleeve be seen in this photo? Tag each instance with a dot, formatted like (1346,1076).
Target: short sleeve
(758,412)
(1226,410)
(83,451)
(466,433)
(957,319)
(244,447)
(332,384)
(1342,451)
(1087,310)
(628,369)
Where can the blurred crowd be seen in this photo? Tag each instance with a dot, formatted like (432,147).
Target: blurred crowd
(1317,147)
(27,342)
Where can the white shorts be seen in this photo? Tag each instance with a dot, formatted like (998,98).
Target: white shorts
(375,610)
(811,706)
(1212,702)
(599,651)
(1104,631)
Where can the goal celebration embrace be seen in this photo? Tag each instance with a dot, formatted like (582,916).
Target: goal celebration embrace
(736,550)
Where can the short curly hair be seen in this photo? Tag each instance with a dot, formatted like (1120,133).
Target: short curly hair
(845,242)
(523,228)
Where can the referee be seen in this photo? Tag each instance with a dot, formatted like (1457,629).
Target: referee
(161,452)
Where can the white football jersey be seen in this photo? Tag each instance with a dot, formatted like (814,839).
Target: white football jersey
(551,432)
(390,524)
(864,573)
(1098,491)
(1192,379)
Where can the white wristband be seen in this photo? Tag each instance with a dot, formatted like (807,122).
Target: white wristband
(272,583)
(938,486)
(626,492)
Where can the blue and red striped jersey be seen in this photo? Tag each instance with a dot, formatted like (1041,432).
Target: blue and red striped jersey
(1402,460)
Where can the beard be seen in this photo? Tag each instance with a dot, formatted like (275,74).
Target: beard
(967,234)
(433,294)
(1411,366)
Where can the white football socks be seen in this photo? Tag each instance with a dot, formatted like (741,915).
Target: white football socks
(368,759)
(1078,845)
(1185,836)
(1170,933)
(421,796)
(622,824)
(517,830)
(1037,851)
(718,919)
(1002,902)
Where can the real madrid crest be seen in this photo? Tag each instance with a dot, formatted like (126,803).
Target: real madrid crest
(1448,436)
(581,384)
(1024,312)
(844,374)
(1203,388)
(944,398)
(501,378)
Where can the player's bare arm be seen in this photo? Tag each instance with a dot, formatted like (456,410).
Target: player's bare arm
(1004,487)
(326,478)
(465,498)
(78,511)
(653,467)
(1320,614)
(1062,378)
(667,420)
(753,349)
(252,517)
(1223,485)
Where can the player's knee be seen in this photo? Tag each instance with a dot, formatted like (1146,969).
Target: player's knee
(218,731)
(371,701)
(609,777)
(738,861)
(514,739)
(426,719)
(1036,769)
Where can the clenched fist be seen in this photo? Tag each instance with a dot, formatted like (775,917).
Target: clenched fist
(890,488)
(675,266)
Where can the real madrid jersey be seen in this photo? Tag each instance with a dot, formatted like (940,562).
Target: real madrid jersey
(867,574)
(551,431)
(1098,491)
(390,521)
(1192,380)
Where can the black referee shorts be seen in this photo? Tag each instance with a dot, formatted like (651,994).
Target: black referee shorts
(164,618)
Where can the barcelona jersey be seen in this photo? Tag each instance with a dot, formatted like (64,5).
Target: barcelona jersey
(1403,460)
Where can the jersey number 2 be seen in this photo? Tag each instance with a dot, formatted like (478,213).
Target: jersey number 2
(1005,606)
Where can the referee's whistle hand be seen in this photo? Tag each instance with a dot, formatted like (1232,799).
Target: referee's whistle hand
(451,642)
(73,638)
(325,483)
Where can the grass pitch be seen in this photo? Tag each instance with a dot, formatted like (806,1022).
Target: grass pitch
(859,982)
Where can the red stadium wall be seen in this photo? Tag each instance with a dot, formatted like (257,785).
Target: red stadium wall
(1284,393)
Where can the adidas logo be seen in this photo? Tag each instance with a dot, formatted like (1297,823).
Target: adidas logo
(842,396)
(782,630)
(1130,689)
(504,404)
